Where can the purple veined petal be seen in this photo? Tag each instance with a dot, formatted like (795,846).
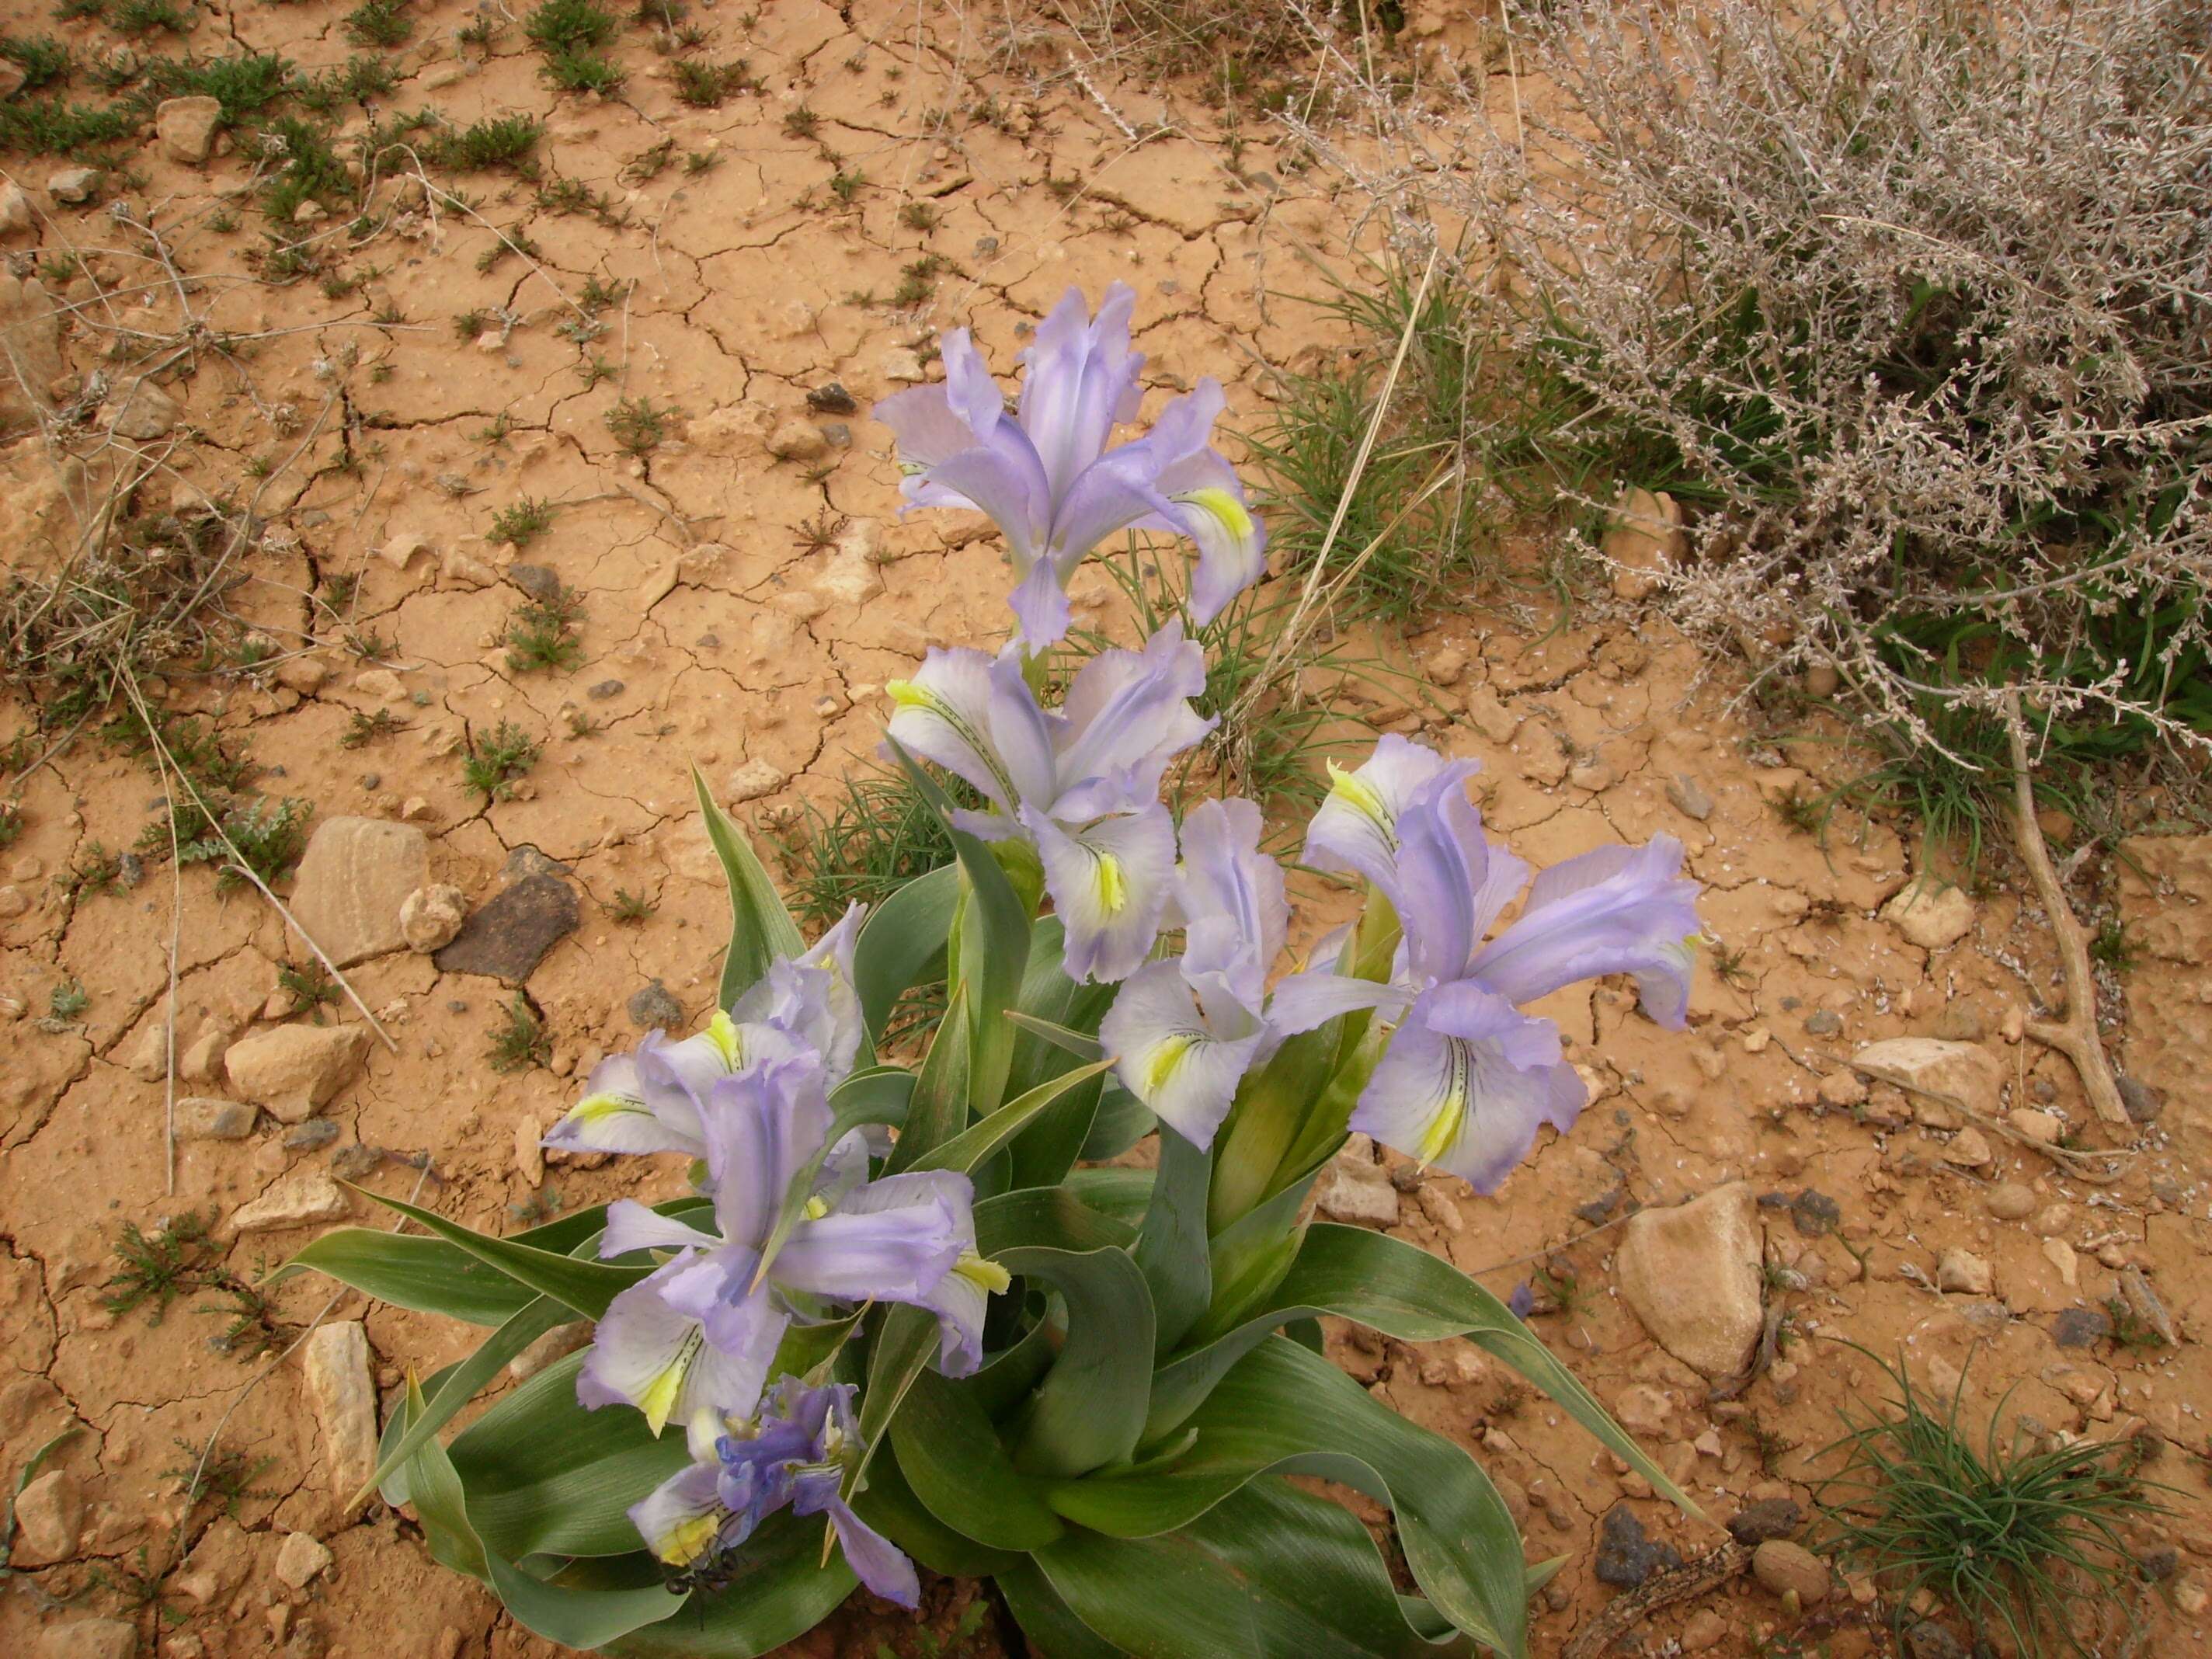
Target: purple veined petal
(970,391)
(1184,428)
(761,1128)
(1207,505)
(890,1241)
(960,1300)
(1228,896)
(614,1116)
(1126,715)
(1079,379)
(655,1357)
(1452,883)
(1167,1056)
(925,426)
(832,955)
(685,1072)
(1020,732)
(1301,1001)
(875,1560)
(1468,1100)
(1109,884)
(1617,910)
(943,714)
(681,1519)
(632,1226)
(1523,1302)
(1356,828)
(1039,605)
(1106,497)
(1005,479)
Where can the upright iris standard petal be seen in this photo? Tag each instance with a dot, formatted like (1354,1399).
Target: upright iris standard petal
(1356,828)
(1127,714)
(1450,883)
(1080,381)
(1108,882)
(1618,910)
(1228,895)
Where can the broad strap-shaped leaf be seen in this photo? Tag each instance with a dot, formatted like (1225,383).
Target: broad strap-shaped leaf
(761,928)
(937,1110)
(1049,1623)
(956,1465)
(1285,1410)
(1058,1023)
(1089,1409)
(585,1286)
(1051,1216)
(888,1504)
(1171,1249)
(1404,1291)
(978,1141)
(902,944)
(904,1341)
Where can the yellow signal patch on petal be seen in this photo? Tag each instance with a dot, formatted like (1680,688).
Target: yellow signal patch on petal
(597,1109)
(989,1275)
(687,1539)
(657,1403)
(1160,1063)
(1451,1120)
(1113,885)
(1363,798)
(1223,506)
(726,1040)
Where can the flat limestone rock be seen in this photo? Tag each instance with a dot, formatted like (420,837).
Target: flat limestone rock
(1691,1275)
(355,877)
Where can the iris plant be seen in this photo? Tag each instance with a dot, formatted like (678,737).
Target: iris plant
(1050,480)
(795,1454)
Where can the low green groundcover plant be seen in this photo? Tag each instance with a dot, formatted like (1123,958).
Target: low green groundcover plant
(904,1318)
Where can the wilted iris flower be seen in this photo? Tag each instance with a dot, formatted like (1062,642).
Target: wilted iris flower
(795,1454)
(1047,475)
(1468,1076)
(701,1332)
(649,1100)
(1080,782)
(1184,1033)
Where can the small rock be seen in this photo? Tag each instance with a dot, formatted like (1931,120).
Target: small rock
(1625,1557)
(1815,1214)
(339,1388)
(293,1070)
(2080,1327)
(300,1558)
(1768,1518)
(1929,1640)
(1969,1149)
(556,1344)
(510,935)
(49,1519)
(355,1163)
(1689,797)
(146,413)
(1843,1089)
(2044,1128)
(1691,1274)
(1590,774)
(2010,1201)
(1965,1071)
(1962,1272)
(832,399)
(902,366)
(301,1201)
(12,903)
(796,441)
(1823,1022)
(353,878)
(14,208)
(538,581)
(1821,680)
(73,186)
(1445,665)
(186,128)
(751,781)
(1358,1188)
(314,1135)
(430,916)
(90,1638)
(1962,1022)
(399,548)
(1702,1631)
(2159,1565)
(655,1007)
(2143,1101)
(1930,918)
(1783,1567)
(305,675)
(604,690)
(1645,539)
(1490,716)
(529,1154)
(203,1118)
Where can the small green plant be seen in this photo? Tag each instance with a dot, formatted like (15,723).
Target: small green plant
(469,324)
(2130,1330)
(378,23)
(67,1000)
(267,837)
(596,296)
(519,526)
(360,78)
(918,215)
(48,126)
(310,988)
(542,633)
(2110,946)
(639,424)
(504,141)
(11,824)
(699,161)
(631,909)
(918,279)
(41,58)
(705,86)
(566,25)
(877,835)
(94,870)
(800,121)
(846,185)
(576,70)
(143,16)
(495,765)
(311,172)
(153,1270)
(223,1478)
(521,1040)
(2030,1543)
(244,86)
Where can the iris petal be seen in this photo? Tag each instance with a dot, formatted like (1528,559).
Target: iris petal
(1109,883)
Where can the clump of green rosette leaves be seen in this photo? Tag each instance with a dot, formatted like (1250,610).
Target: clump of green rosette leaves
(905,1316)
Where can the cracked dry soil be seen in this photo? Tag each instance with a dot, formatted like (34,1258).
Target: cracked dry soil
(743,610)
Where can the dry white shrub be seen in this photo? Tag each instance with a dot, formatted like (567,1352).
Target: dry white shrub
(1908,302)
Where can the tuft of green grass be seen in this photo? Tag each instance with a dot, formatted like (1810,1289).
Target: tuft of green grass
(640,425)
(577,71)
(50,126)
(67,1000)
(542,633)
(521,1040)
(312,170)
(493,766)
(875,837)
(519,526)
(378,23)
(269,836)
(568,25)
(502,141)
(42,58)
(137,17)
(359,79)
(2030,1543)
(310,988)
(801,121)
(11,824)
(705,86)
(364,729)
(244,86)
(224,1478)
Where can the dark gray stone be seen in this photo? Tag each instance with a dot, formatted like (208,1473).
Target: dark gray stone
(1823,1022)
(655,1007)
(832,399)
(316,1132)
(509,937)
(527,861)
(2143,1103)
(837,434)
(1690,798)
(1770,1517)
(2160,1564)
(1815,1214)
(2080,1327)
(540,581)
(1929,1640)
(604,690)
(1626,1557)
(355,1163)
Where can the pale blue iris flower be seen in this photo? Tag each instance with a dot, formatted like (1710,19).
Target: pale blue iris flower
(649,1100)
(700,1333)
(1467,1077)
(1184,1032)
(1080,782)
(794,1454)
(1047,475)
